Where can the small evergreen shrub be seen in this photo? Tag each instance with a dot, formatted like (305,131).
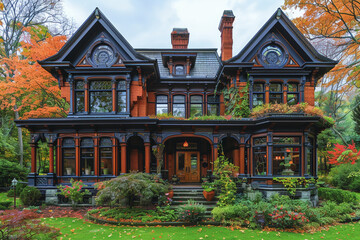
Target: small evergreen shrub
(191,212)
(30,196)
(232,214)
(9,171)
(5,205)
(19,188)
(339,176)
(338,195)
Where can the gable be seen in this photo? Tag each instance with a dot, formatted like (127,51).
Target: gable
(95,32)
(279,32)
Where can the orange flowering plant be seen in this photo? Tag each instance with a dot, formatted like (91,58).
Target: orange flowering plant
(74,192)
(344,154)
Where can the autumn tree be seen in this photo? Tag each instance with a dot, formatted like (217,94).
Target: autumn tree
(15,17)
(356,115)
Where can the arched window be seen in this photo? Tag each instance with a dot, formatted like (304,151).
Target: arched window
(196,106)
(258,94)
(293,94)
(179,70)
(68,157)
(213,105)
(106,156)
(179,106)
(161,104)
(79,96)
(276,93)
(87,163)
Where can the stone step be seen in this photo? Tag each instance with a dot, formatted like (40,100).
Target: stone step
(194,197)
(204,202)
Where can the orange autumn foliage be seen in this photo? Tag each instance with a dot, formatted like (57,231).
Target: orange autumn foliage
(337,22)
(30,88)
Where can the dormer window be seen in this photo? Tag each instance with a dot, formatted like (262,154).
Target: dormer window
(179,70)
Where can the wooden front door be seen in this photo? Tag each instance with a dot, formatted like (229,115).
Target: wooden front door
(188,166)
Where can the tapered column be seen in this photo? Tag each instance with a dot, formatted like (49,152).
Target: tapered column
(147,157)
(51,158)
(77,155)
(123,157)
(115,156)
(236,157)
(215,156)
(33,157)
(96,156)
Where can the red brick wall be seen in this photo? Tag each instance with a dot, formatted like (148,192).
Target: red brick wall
(309,94)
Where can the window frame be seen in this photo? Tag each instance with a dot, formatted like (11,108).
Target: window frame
(92,91)
(83,159)
(297,93)
(178,103)
(163,103)
(175,72)
(273,92)
(121,92)
(257,92)
(216,103)
(191,104)
(261,146)
(64,172)
(101,149)
(78,91)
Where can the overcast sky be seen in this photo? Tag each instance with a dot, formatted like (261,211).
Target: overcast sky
(148,23)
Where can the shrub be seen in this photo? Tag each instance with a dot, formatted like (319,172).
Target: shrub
(19,188)
(30,196)
(5,205)
(340,212)
(124,189)
(338,195)
(340,175)
(282,218)
(74,192)
(9,171)
(24,225)
(232,214)
(191,212)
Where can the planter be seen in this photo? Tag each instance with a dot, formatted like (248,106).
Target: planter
(68,171)
(87,171)
(209,195)
(106,171)
(171,194)
(287,172)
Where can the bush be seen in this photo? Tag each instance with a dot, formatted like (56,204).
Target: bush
(232,214)
(5,205)
(191,212)
(9,171)
(283,218)
(338,195)
(340,212)
(19,188)
(30,196)
(124,189)
(75,192)
(24,225)
(340,175)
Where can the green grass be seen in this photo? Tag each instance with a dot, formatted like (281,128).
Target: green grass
(5,198)
(72,228)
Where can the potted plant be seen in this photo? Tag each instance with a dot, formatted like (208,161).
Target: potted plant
(171,192)
(68,171)
(209,190)
(106,171)
(87,171)
(287,166)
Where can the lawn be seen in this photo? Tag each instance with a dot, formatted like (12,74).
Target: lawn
(72,228)
(5,198)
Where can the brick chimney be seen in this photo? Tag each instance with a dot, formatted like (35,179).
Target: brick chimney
(225,27)
(180,38)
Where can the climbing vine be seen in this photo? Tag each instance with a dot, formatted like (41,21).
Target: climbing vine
(291,183)
(237,102)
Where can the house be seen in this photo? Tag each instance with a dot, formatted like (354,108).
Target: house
(122,99)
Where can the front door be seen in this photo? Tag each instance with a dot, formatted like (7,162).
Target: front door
(187,166)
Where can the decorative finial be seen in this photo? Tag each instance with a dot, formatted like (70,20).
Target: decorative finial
(278,14)
(97,14)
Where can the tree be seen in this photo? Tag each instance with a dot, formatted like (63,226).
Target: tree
(17,15)
(356,115)
(338,22)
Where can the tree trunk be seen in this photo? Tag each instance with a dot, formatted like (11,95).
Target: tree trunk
(20,139)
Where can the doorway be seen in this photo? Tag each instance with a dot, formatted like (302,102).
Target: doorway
(187,166)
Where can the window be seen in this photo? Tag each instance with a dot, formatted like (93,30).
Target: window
(196,106)
(272,55)
(293,94)
(213,103)
(179,106)
(105,156)
(100,96)
(179,70)
(121,97)
(87,164)
(276,93)
(161,104)
(258,94)
(286,156)
(260,158)
(310,157)
(68,157)
(79,96)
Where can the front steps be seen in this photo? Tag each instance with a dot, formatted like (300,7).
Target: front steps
(183,193)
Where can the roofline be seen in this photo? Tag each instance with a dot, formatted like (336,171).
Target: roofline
(176,50)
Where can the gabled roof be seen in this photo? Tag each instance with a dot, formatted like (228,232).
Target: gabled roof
(95,18)
(279,17)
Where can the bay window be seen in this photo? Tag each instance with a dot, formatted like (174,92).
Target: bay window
(286,156)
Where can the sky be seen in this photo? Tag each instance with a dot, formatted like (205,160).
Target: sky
(148,23)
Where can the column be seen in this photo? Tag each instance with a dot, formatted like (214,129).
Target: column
(86,95)
(96,155)
(285,90)
(123,158)
(114,97)
(267,92)
(115,156)
(77,155)
(51,157)
(33,157)
(269,153)
(236,157)
(215,156)
(72,102)
(242,159)
(147,157)
(58,158)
